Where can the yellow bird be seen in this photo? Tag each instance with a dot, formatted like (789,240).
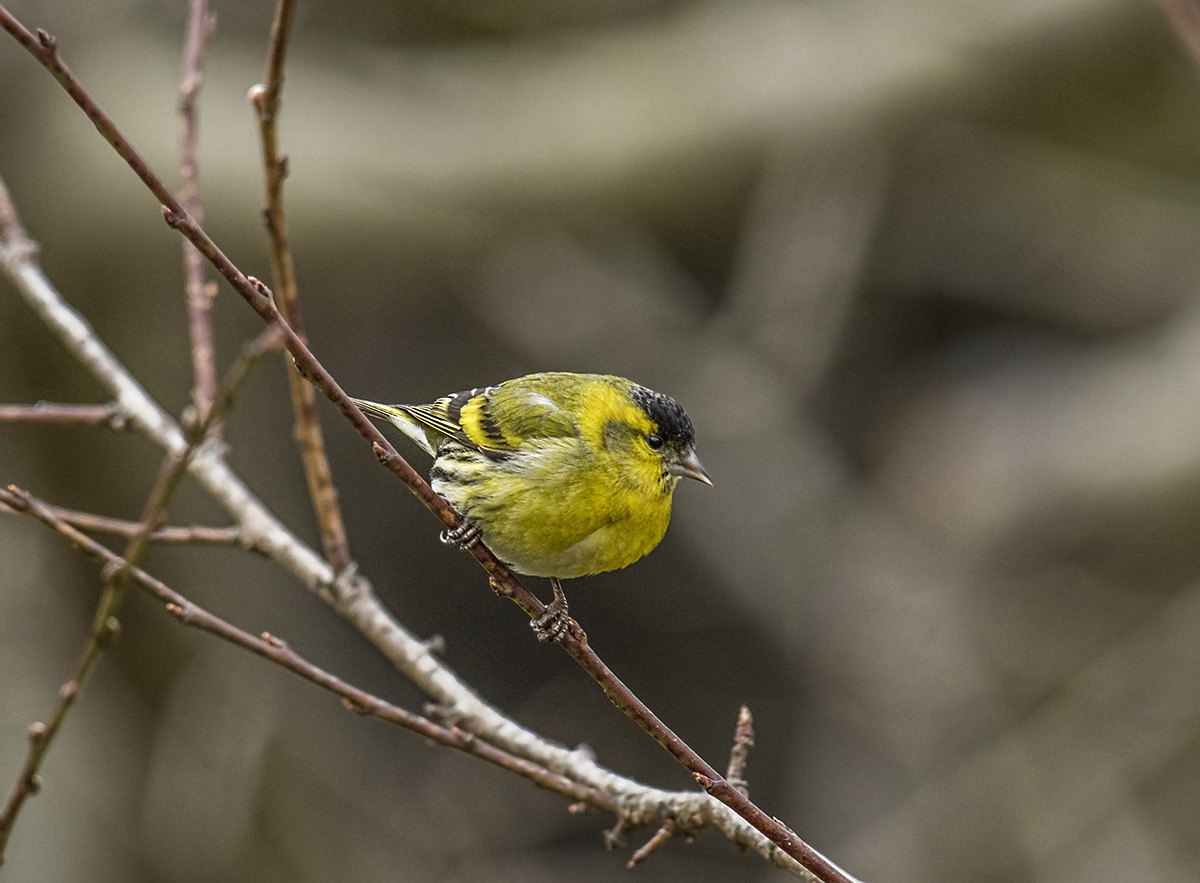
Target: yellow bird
(561,475)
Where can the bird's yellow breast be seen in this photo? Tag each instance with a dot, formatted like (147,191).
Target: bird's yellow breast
(566,506)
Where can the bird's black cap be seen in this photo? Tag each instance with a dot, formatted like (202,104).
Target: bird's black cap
(673,423)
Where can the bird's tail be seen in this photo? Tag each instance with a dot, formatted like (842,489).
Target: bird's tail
(398,417)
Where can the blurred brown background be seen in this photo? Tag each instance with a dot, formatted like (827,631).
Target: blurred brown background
(925,275)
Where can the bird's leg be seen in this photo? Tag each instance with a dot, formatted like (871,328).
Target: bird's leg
(552,624)
(464,536)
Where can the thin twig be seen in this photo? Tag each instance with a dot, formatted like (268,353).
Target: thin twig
(40,736)
(200,292)
(743,741)
(573,639)
(197,535)
(309,438)
(275,650)
(109,415)
(661,836)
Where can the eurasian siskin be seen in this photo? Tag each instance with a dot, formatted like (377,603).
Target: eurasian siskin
(562,474)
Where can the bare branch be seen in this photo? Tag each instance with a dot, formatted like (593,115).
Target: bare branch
(661,836)
(743,741)
(40,737)
(194,535)
(109,415)
(309,437)
(200,292)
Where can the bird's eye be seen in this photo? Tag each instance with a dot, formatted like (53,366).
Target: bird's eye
(654,441)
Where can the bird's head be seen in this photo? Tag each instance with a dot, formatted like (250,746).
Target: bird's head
(653,439)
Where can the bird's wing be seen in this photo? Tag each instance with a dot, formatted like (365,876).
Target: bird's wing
(520,413)
(498,420)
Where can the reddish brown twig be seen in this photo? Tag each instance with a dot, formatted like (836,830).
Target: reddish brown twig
(109,415)
(200,292)
(275,650)
(28,781)
(198,535)
(309,437)
(573,639)
(661,836)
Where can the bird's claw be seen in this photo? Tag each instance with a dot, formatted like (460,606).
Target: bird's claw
(554,621)
(552,624)
(464,536)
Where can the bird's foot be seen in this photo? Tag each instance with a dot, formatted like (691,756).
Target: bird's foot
(464,536)
(554,622)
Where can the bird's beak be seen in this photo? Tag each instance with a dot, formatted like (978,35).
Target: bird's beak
(689,466)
